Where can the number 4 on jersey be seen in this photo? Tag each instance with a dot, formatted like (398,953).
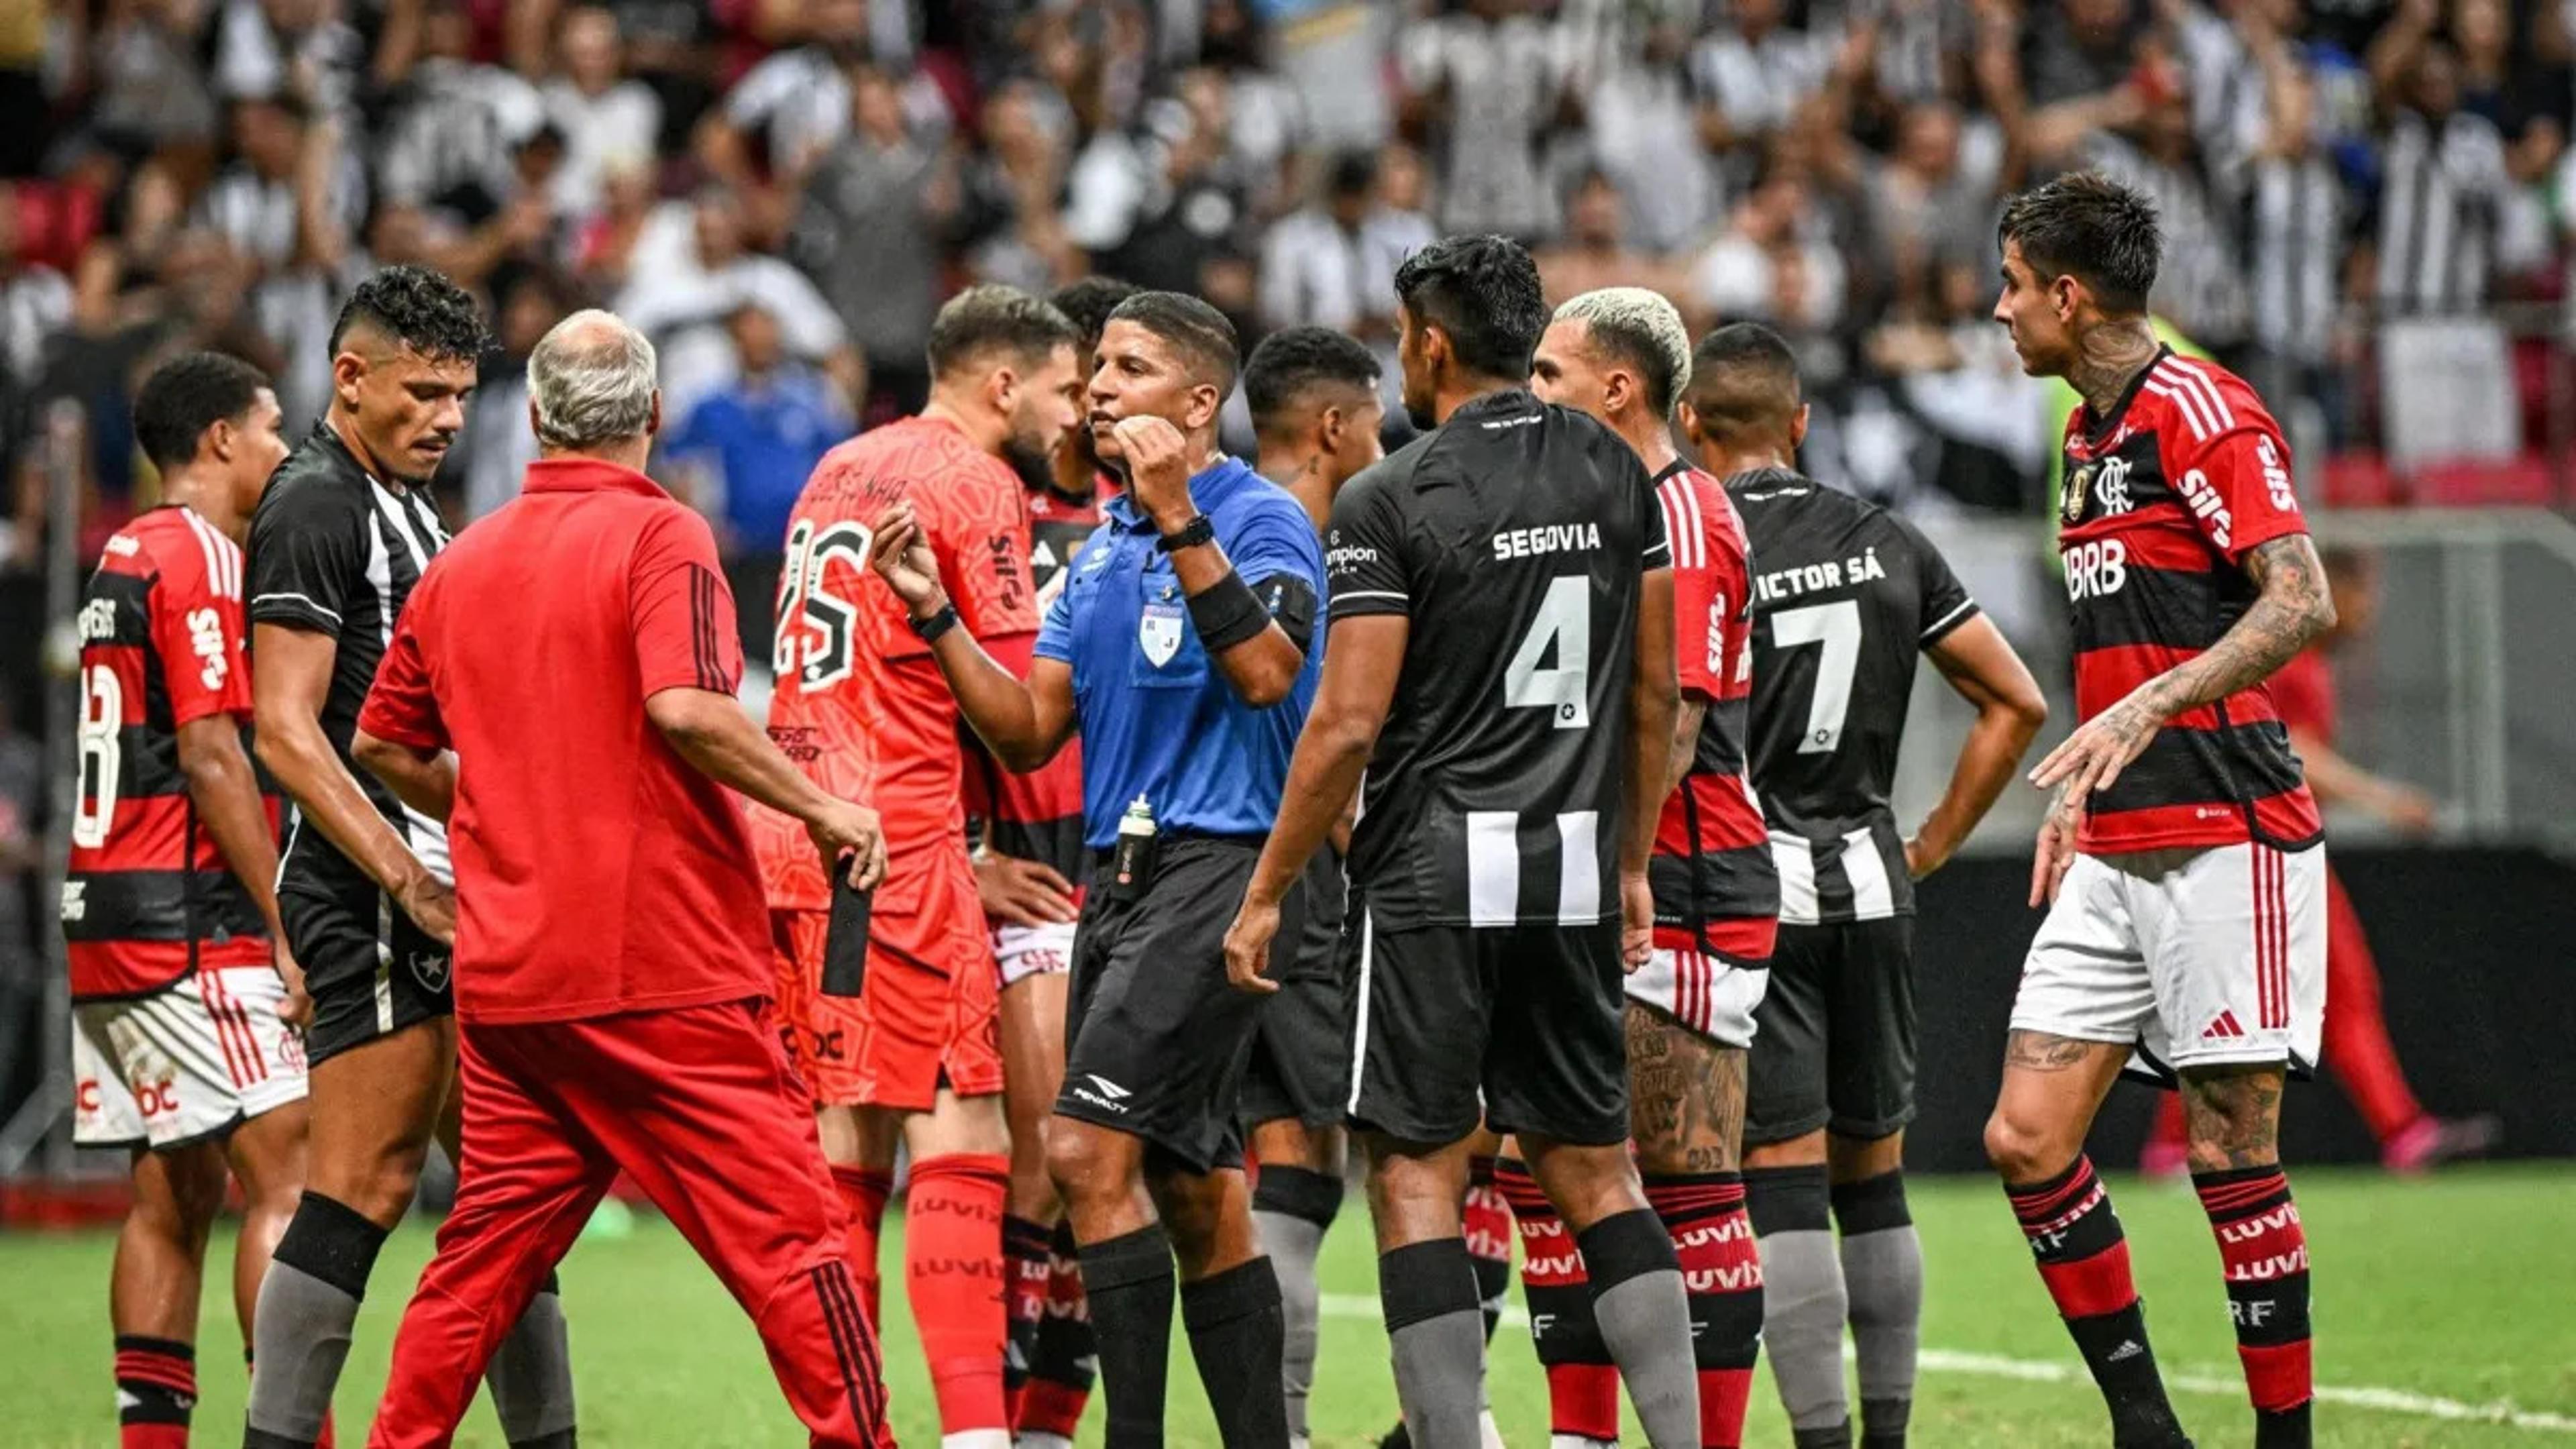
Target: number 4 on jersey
(1563,629)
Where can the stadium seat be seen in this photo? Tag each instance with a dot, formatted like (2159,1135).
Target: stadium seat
(2359,479)
(2527,481)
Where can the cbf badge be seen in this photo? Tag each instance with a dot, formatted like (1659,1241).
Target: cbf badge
(2078,485)
(1158,633)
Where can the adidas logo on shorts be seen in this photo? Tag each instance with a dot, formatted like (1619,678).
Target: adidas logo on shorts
(2222,1028)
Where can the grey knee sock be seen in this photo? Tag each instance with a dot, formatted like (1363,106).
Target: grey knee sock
(1883,1267)
(1638,1301)
(307,1305)
(530,1376)
(1803,1300)
(1436,1334)
(1291,1208)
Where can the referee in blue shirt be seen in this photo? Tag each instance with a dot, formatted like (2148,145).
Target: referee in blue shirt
(1184,649)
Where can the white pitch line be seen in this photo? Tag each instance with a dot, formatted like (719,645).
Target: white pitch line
(2030,1370)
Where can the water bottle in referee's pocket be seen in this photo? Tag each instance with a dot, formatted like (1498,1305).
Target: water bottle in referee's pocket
(1131,862)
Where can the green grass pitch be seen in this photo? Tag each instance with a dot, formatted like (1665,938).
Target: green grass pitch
(2435,1298)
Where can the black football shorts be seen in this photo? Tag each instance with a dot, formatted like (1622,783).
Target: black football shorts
(1301,1052)
(1519,1027)
(1156,1038)
(1833,1044)
(370,971)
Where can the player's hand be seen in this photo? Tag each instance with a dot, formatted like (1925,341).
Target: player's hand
(2409,811)
(297,1009)
(1921,859)
(1636,922)
(901,556)
(1247,946)
(1158,469)
(2093,756)
(431,904)
(2056,848)
(843,831)
(1023,892)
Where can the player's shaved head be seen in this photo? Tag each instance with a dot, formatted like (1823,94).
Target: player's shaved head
(1744,387)
(1296,366)
(1637,329)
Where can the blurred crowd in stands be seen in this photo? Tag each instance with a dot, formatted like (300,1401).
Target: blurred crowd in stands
(782,192)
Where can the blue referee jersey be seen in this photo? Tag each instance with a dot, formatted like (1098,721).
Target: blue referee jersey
(1158,718)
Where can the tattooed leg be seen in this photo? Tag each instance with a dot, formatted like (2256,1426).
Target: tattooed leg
(2234,1116)
(2052,1087)
(1685,1096)
(1686,1112)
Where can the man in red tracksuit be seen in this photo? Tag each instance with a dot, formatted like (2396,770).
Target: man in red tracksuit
(576,651)
(2357,1048)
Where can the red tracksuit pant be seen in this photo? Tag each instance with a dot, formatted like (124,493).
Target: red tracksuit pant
(2356,1045)
(699,1106)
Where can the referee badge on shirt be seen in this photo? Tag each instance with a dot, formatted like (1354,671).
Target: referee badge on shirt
(1158,632)
(2079,485)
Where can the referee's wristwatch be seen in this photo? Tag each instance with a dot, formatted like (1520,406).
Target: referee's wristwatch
(1197,531)
(928,630)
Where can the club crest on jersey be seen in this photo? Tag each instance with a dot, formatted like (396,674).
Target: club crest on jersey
(1158,633)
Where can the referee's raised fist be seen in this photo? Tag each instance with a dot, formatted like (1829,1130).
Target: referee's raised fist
(1158,468)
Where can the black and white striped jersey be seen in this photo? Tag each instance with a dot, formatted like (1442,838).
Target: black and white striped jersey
(335,551)
(1845,596)
(1514,538)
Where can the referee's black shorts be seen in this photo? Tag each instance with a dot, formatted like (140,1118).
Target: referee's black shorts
(1833,1040)
(1521,1028)
(1156,1040)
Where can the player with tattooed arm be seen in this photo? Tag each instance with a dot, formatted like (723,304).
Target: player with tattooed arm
(2181,860)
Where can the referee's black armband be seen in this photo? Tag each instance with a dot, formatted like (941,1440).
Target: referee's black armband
(1291,601)
(1227,613)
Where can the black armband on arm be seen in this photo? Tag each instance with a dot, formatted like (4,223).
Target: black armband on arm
(1227,613)
(1291,601)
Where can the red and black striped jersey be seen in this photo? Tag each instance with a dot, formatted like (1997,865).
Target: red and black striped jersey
(148,897)
(1038,816)
(1715,885)
(2164,499)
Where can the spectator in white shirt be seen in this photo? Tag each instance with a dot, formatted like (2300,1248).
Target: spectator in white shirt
(1314,265)
(687,277)
(606,118)
(1492,79)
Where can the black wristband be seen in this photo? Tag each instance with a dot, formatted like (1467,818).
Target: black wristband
(1200,529)
(928,630)
(1227,613)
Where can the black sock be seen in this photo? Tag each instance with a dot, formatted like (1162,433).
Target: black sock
(1237,1335)
(308,1309)
(156,1380)
(1129,1280)
(2084,1259)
